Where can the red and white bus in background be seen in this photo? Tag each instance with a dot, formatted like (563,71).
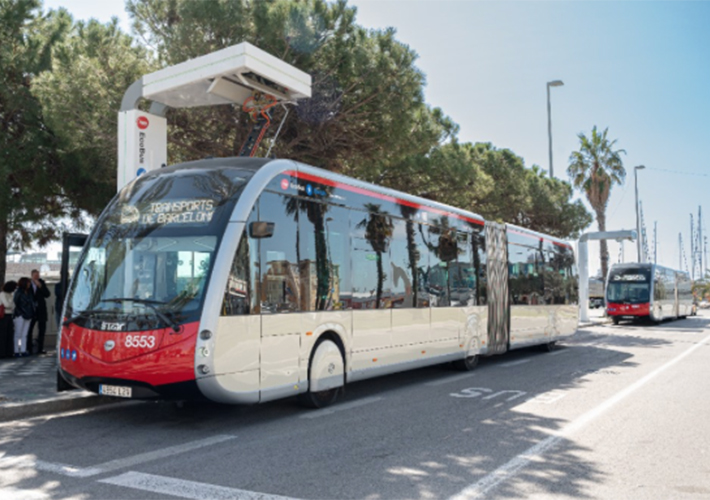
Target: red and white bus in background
(647,291)
(245,280)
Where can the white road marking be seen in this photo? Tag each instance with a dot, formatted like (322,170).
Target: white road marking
(455,378)
(185,489)
(514,363)
(123,463)
(28,461)
(346,406)
(507,471)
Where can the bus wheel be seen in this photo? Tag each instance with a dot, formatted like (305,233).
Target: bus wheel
(326,373)
(615,320)
(467,364)
(63,385)
(549,347)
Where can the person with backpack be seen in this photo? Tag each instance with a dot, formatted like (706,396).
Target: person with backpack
(24,312)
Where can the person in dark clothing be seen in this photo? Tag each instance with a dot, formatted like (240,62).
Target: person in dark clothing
(24,312)
(40,292)
(7,329)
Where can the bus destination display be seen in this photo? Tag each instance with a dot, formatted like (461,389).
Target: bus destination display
(177,212)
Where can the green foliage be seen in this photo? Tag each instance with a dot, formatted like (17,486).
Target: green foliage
(493,183)
(81,95)
(367,111)
(30,200)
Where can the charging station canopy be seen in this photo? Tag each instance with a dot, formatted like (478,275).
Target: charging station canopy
(227,76)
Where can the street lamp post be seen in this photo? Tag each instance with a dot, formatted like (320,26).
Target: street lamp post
(638,220)
(554,83)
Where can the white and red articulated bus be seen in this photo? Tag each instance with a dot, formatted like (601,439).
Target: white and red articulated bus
(244,280)
(647,292)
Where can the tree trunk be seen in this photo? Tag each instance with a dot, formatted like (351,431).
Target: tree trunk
(603,248)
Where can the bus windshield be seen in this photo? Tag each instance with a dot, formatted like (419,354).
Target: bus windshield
(628,293)
(152,250)
(629,286)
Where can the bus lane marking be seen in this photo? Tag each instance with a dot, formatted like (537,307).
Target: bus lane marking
(183,488)
(483,487)
(346,406)
(121,463)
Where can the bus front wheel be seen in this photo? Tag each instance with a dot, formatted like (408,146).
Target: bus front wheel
(326,374)
(466,364)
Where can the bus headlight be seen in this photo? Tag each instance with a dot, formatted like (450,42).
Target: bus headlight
(205,334)
(203,369)
(204,352)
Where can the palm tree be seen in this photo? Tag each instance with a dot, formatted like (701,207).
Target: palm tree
(595,168)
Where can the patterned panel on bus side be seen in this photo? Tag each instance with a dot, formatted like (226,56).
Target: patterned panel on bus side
(498,296)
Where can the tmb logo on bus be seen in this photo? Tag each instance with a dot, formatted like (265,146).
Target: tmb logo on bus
(112,327)
(142,122)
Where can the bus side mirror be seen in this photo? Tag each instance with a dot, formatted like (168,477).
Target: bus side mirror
(261,229)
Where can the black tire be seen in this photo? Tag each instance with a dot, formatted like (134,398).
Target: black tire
(63,385)
(615,320)
(549,347)
(319,399)
(467,364)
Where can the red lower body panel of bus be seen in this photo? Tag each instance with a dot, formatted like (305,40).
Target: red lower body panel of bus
(636,310)
(144,365)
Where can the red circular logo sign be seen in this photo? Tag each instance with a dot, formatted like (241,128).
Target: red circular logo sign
(142,122)
(284,183)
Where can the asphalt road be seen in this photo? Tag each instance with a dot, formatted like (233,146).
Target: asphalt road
(617,412)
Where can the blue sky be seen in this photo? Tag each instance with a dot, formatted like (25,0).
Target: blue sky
(640,68)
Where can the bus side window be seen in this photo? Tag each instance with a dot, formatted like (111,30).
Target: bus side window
(279,281)
(324,264)
(371,236)
(239,295)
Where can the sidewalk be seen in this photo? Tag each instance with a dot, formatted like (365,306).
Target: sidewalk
(28,388)
(596,318)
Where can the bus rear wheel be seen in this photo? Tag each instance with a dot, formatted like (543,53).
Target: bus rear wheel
(466,364)
(615,320)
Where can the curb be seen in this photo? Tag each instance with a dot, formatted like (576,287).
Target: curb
(27,409)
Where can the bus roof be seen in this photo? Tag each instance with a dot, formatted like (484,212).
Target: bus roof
(308,172)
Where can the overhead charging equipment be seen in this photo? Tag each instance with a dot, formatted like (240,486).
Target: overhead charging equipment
(242,75)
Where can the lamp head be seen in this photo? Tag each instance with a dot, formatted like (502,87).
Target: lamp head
(639,167)
(555,83)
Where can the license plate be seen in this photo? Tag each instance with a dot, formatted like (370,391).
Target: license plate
(115,390)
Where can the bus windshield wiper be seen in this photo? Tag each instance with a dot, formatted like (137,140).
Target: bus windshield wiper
(153,304)
(81,314)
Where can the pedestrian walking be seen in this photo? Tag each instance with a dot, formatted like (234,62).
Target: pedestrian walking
(24,312)
(7,329)
(40,293)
